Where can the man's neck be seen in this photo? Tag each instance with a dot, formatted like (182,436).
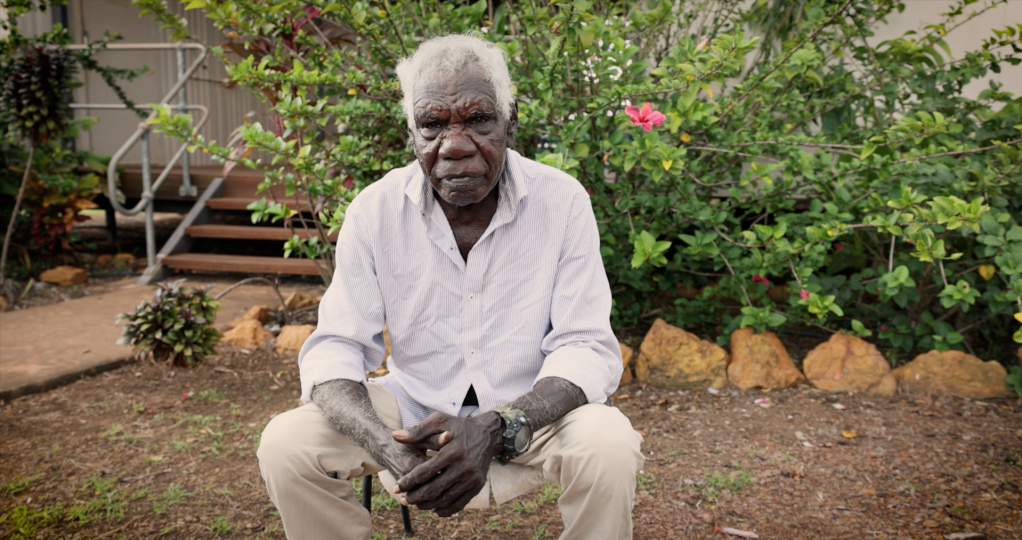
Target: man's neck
(469,222)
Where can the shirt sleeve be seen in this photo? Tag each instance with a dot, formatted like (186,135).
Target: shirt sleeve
(348,340)
(581,347)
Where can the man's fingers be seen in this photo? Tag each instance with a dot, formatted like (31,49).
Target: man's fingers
(440,486)
(458,505)
(424,434)
(424,472)
(445,490)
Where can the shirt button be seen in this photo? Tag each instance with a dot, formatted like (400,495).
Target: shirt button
(471,297)
(472,352)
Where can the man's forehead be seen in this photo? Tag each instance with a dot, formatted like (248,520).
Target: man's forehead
(468,86)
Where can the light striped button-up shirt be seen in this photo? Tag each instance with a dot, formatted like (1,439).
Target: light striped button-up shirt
(532,300)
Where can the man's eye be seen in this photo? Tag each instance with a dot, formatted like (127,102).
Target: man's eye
(431,125)
(477,120)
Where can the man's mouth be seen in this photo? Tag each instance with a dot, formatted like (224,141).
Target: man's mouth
(461,181)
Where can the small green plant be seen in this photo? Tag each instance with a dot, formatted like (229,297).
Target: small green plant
(174,495)
(24,522)
(174,326)
(220,525)
(550,493)
(715,485)
(212,395)
(16,486)
(524,508)
(647,482)
(540,532)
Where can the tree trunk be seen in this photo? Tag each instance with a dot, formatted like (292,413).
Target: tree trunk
(14,216)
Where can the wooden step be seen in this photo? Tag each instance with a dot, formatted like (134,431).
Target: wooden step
(241,203)
(241,264)
(242,232)
(243,181)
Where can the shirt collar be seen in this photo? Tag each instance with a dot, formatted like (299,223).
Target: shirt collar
(511,185)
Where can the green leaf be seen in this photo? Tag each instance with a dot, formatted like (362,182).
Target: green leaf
(867,151)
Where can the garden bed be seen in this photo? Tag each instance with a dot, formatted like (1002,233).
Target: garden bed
(145,452)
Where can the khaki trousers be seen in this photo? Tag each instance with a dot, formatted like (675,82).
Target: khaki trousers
(592,453)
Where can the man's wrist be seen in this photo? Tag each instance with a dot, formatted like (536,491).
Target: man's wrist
(494,426)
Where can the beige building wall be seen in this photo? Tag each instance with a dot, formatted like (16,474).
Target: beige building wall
(968,37)
(89,19)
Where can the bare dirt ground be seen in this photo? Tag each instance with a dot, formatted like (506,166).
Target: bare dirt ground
(145,452)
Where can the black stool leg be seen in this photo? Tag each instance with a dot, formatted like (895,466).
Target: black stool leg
(367,503)
(367,492)
(407,520)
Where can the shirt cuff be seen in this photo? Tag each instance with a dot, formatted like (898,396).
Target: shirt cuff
(586,369)
(329,362)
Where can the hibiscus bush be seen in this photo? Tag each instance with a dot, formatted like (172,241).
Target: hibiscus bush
(761,164)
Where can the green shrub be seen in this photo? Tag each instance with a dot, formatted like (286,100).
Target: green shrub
(1015,379)
(174,326)
(811,178)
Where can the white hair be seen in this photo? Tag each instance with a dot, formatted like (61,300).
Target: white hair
(445,56)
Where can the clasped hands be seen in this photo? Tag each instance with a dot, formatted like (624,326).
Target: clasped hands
(447,481)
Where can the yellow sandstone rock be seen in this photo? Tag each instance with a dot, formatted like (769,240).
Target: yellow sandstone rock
(247,335)
(845,363)
(626,358)
(292,337)
(255,313)
(673,358)
(760,360)
(65,276)
(955,373)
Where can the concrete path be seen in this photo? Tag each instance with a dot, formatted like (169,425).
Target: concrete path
(48,346)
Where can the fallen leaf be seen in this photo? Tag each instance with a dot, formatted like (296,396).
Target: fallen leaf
(931,524)
(662,402)
(713,390)
(867,491)
(736,532)
(764,402)
(673,408)
(641,433)
(966,535)
(849,434)
(155,458)
(839,406)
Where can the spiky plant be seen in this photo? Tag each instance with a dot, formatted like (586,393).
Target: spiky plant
(174,327)
(34,106)
(34,101)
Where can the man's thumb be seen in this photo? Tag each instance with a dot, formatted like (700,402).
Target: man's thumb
(415,434)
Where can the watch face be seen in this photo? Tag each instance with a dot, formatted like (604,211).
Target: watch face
(523,439)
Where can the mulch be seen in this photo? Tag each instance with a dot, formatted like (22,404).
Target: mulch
(149,452)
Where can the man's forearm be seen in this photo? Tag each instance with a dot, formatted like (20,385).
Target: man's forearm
(550,399)
(349,410)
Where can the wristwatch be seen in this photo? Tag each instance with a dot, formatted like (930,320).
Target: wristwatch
(517,432)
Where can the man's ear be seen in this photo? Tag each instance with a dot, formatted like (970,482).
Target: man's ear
(512,125)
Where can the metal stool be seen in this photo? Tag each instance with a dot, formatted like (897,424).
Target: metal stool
(367,503)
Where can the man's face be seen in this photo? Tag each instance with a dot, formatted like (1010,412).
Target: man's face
(459,136)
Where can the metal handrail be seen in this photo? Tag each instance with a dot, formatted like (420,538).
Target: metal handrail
(142,133)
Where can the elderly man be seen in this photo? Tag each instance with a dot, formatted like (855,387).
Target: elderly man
(486,268)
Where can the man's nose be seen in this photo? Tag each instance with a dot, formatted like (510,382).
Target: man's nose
(457,145)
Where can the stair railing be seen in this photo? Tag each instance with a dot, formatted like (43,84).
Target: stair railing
(142,134)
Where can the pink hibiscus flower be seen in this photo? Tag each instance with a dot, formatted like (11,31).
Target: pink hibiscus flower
(803,294)
(646,116)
